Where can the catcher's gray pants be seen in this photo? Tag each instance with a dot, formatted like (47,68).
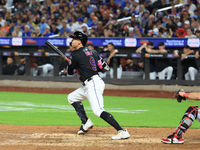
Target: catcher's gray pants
(192,113)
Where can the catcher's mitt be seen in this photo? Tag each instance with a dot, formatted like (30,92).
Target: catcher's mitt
(178,97)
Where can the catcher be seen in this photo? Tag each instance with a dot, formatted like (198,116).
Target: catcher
(190,115)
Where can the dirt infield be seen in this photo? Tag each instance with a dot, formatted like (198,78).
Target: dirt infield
(65,137)
(99,138)
(108,92)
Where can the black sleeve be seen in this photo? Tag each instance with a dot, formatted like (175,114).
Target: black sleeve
(73,64)
(70,70)
(73,61)
(143,50)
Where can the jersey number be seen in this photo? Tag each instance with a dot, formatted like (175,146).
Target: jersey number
(92,62)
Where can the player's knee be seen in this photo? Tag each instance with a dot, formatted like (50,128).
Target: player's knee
(98,112)
(170,69)
(70,100)
(191,112)
(192,109)
(190,69)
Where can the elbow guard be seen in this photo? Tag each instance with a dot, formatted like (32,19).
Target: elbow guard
(103,65)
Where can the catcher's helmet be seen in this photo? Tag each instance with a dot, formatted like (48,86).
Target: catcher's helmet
(80,36)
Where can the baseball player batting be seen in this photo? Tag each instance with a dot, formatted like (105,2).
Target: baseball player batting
(89,63)
(192,113)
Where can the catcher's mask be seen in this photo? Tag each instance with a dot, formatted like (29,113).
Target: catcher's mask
(80,36)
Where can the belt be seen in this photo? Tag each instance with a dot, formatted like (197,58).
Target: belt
(87,80)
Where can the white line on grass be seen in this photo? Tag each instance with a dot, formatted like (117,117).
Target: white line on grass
(31,107)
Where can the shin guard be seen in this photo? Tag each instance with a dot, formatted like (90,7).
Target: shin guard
(80,111)
(187,120)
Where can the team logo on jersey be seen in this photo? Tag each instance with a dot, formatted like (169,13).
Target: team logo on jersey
(92,62)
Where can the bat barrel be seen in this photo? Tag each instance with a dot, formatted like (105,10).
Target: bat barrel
(51,46)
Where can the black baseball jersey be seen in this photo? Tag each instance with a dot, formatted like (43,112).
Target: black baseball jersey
(134,67)
(111,62)
(85,60)
(21,69)
(152,61)
(186,63)
(162,63)
(43,60)
(9,69)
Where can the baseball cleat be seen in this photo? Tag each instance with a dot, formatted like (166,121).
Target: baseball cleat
(85,127)
(173,140)
(122,134)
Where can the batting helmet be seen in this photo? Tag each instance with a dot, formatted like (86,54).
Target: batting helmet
(80,36)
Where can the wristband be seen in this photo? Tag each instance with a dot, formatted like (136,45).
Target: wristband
(186,95)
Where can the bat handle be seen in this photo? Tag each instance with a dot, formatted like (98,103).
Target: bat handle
(67,60)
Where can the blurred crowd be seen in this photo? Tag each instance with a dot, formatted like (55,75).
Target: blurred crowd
(100,18)
(105,18)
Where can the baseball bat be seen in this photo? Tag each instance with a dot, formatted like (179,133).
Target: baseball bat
(51,46)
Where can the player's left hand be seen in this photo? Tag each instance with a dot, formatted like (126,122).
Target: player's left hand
(178,97)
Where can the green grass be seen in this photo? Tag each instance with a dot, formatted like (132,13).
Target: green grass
(54,109)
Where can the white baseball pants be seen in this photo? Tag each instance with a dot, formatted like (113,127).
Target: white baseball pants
(46,68)
(93,91)
(167,71)
(119,72)
(152,75)
(191,74)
